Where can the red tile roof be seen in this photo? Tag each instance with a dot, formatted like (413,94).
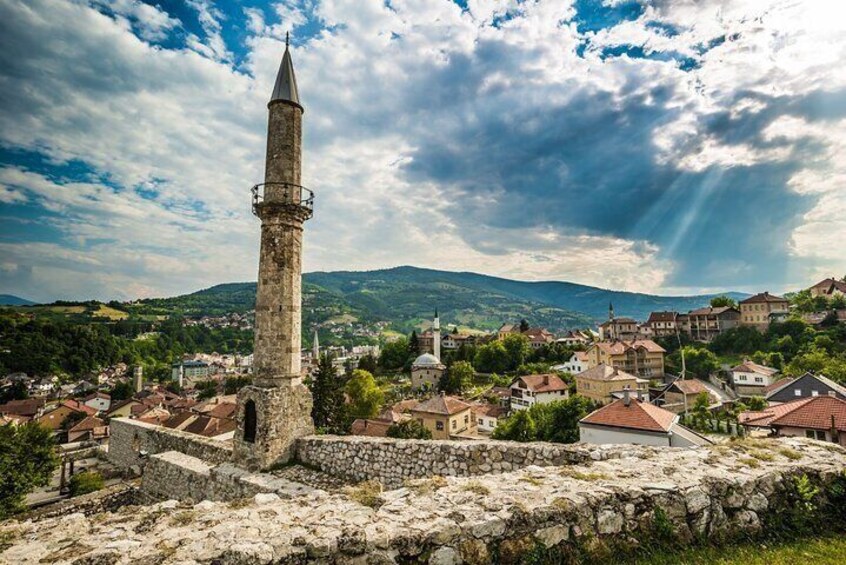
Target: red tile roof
(28,407)
(440,404)
(763,297)
(603,372)
(818,413)
(690,386)
(87,423)
(750,367)
(371,428)
(763,417)
(544,383)
(661,317)
(490,410)
(619,347)
(637,415)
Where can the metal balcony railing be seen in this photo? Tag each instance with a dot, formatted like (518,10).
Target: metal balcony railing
(284,193)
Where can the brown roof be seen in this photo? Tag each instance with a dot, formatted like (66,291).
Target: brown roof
(223,410)
(490,410)
(618,347)
(831,284)
(767,415)
(79,407)
(94,395)
(607,323)
(603,372)
(210,427)
(712,311)
(763,297)
(177,421)
(544,383)
(87,423)
(778,384)
(371,428)
(690,386)
(661,317)
(750,367)
(28,407)
(500,391)
(818,413)
(636,415)
(440,404)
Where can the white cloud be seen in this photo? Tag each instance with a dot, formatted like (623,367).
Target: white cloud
(186,124)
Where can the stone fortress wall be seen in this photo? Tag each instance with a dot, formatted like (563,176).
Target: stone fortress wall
(540,513)
(131,443)
(393,461)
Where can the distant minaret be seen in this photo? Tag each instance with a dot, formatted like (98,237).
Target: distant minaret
(276,409)
(436,336)
(315,347)
(611,311)
(138,378)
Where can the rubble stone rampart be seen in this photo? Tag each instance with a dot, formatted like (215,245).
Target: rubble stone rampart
(132,443)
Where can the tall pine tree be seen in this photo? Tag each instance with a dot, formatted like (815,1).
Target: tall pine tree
(327,390)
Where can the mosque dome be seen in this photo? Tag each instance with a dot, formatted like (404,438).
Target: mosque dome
(427,360)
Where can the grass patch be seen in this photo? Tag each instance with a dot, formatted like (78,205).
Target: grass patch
(531,480)
(750,462)
(477,488)
(581,476)
(425,486)
(183,518)
(368,493)
(791,454)
(827,550)
(761,455)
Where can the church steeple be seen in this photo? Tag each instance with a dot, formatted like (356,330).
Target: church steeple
(286,82)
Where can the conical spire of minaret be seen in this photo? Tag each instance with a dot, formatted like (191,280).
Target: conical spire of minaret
(286,83)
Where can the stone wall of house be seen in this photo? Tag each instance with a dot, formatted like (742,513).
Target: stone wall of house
(546,514)
(392,461)
(132,443)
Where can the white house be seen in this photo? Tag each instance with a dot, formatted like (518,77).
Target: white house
(629,420)
(99,401)
(577,363)
(751,378)
(488,416)
(541,389)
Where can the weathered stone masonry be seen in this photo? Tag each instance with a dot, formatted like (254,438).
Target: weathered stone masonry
(132,442)
(392,461)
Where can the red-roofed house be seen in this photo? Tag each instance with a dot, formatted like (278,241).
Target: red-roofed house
(641,357)
(537,389)
(752,379)
(819,417)
(629,420)
(445,416)
(759,310)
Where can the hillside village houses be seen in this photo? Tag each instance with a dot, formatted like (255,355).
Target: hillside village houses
(829,288)
(752,379)
(761,309)
(602,383)
(528,390)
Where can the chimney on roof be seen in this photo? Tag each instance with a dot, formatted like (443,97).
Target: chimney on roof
(546,379)
(627,399)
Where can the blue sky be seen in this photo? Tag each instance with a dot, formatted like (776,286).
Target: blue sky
(651,145)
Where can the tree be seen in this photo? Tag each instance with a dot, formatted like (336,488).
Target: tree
(17,391)
(457,378)
(740,339)
(368,363)
(85,482)
(491,358)
(723,301)
(327,389)
(27,460)
(524,325)
(205,389)
(410,429)
(394,354)
(121,391)
(561,422)
(365,396)
(699,362)
(756,403)
(413,344)
(518,427)
(700,411)
(518,349)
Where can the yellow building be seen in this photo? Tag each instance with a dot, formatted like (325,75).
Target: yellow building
(445,416)
(600,382)
(641,357)
(763,308)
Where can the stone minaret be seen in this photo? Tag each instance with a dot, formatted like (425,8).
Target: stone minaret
(276,409)
(315,348)
(138,378)
(436,336)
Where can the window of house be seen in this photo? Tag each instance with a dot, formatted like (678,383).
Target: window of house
(481,421)
(466,419)
(797,392)
(759,379)
(820,435)
(815,393)
(439,425)
(809,434)
(454,424)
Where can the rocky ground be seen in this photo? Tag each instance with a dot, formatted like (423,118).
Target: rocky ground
(442,520)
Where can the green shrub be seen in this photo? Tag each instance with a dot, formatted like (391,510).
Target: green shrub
(85,482)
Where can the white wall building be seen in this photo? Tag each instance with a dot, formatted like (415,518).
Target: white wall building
(541,389)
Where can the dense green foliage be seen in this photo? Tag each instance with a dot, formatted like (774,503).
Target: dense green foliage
(365,396)
(557,422)
(327,390)
(27,460)
(85,482)
(44,346)
(410,429)
(457,378)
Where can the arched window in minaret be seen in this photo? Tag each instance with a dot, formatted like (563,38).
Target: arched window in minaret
(250,421)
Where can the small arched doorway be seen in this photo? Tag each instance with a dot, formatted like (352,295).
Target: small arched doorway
(250,421)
